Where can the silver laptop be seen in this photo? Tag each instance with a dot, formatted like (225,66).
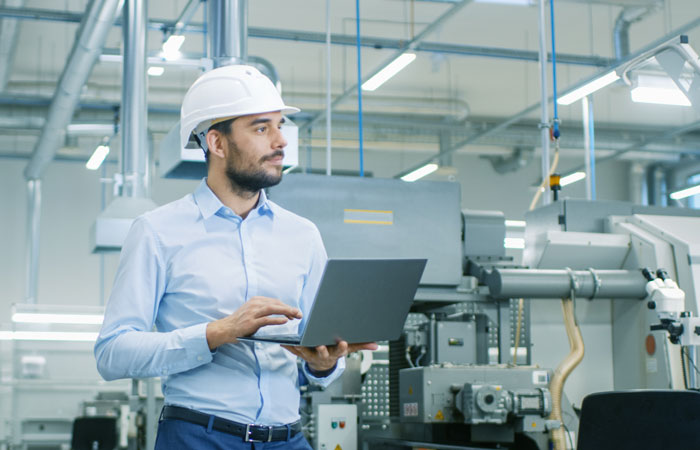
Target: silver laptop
(358,300)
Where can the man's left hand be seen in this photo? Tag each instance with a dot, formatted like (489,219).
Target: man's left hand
(324,357)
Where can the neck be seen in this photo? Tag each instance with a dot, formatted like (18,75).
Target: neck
(240,201)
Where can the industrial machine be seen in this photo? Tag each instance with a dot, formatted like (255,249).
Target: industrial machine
(462,375)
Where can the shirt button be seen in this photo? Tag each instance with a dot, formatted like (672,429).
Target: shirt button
(199,358)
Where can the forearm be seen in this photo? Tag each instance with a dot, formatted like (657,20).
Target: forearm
(144,354)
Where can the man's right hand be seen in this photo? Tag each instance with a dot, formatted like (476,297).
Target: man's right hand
(246,320)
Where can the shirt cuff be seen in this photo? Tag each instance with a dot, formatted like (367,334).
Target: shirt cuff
(194,339)
(320,373)
(325,381)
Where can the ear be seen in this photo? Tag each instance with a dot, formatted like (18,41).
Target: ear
(216,144)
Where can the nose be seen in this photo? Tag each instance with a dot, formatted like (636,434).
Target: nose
(278,140)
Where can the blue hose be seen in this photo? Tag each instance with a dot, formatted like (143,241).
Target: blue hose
(359,87)
(555,132)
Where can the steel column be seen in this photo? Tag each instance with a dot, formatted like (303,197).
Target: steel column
(589,139)
(134,114)
(33,235)
(228,31)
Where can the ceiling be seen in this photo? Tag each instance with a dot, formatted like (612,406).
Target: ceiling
(476,70)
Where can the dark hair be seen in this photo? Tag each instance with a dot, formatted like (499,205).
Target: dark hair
(223,128)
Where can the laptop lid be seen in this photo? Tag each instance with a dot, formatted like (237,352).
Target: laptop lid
(361,300)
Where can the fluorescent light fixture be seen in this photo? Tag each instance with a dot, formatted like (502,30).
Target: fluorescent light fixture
(389,71)
(47,336)
(507,2)
(98,156)
(660,90)
(156,71)
(688,192)
(420,172)
(573,178)
(659,96)
(515,223)
(514,242)
(589,88)
(77,319)
(171,47)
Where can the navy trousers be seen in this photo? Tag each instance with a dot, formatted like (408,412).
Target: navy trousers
(181,435)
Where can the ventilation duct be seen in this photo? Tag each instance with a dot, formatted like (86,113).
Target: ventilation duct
(112,225)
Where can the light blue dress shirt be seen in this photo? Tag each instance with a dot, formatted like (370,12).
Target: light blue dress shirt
(193,261)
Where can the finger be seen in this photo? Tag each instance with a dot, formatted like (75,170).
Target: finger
(363,346)
(291,349)
(322,351)
(269,320)
(280,309)
(340,349)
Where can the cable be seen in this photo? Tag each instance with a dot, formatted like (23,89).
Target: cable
(569,439)
(691,361)
(685,375)
(556,133)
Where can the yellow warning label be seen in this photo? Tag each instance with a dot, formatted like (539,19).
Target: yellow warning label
(368,216)
(338,447)
(439,415)
(410,390)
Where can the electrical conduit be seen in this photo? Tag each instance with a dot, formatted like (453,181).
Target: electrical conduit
(556,386)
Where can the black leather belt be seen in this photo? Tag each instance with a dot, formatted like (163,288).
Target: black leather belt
(249,432)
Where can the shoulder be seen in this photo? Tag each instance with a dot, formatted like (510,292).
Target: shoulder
(293,221)
(181,212)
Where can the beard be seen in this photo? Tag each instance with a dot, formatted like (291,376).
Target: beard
(249,180)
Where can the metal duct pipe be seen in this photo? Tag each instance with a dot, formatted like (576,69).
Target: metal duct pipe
(33,222)
(134,114)
(539,283)
(90,39)
(544,106)
(227,26)
(8,40)
(621,37)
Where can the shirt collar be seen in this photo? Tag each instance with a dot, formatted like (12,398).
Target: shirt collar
(209,204)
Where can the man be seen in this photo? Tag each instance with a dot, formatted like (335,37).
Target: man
(222,263)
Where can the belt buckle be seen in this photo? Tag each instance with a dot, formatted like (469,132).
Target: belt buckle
(248,432)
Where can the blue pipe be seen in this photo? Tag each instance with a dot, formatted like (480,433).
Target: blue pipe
(359,88)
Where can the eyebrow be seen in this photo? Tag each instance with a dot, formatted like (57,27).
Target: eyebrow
(265,120)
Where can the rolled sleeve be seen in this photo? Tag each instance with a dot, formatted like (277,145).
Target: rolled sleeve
(327,380)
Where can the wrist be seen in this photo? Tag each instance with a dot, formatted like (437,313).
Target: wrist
(215,335)
(321,372)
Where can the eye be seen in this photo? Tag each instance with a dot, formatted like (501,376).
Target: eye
(261,129)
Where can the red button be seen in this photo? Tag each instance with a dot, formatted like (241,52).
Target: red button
(342,424)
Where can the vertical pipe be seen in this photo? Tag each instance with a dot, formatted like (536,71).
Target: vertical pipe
(227,27)
(103,205)
(589,139)
(33,234)
(544,117)
(134,115)
(329,108)
(359,88)
(151,415)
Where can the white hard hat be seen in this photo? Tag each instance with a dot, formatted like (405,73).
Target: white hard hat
(227,92)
